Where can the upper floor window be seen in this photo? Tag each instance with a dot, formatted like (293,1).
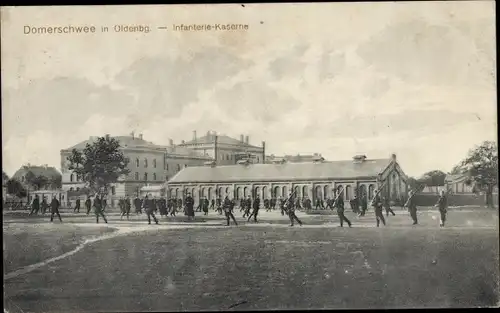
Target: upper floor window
(145,162)
(166,166)
(137,162)
(113,190)
(154,176)
(145,176)
(154,163)
(71,177)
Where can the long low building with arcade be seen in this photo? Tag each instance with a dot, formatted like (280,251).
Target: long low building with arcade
(315,180)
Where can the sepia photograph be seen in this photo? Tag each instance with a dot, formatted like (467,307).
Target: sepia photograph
(272,156)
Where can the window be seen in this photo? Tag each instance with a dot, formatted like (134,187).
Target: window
(276,192)
(145,176)
(304,192)
(166,165)
(245,192)
(185,165)
(258,160)
(136,176)
(325,192)
(154,163)
(178,167)
(137,162)
(238,191)
(264,192)
(284,192)
(154,176)
(113,190)
(77,188)
(71,189)
(371,189)
(348,192)
(145,162)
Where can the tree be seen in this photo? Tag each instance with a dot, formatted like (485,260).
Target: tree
(36,181)
(55,182)
(434,178)
(481,165)
(14,187)
(100,164)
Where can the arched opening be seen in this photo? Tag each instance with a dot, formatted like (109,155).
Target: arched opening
(371,188)
(137,162)
(362,191)
(305,192)
(209,193)
(341,191)
(276,192)
(264,192)
(326,194)
(245,192)
(257,192)
(317,193)
(348,192)
(238,193)
(71,177)
(227,191)
(285,192)
(296,189)
(145,162)
(176,192)
(113,190)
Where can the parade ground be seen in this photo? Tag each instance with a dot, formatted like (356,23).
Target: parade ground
(81,266)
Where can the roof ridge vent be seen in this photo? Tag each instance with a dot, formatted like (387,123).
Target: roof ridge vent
(360,158)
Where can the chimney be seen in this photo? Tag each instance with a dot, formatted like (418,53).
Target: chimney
(216,150)
(246,140)
(194,135)
(107,136)
(242,139)
(140,136)
(132,134)
(263,152)
(171,142)
(183,142)
(359,158)
(393,157)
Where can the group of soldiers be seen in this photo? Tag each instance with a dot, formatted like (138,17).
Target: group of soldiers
(248,206)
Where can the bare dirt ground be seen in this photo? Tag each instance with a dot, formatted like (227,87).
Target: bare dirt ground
(175,266)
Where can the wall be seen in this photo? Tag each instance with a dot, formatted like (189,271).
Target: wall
(454,200)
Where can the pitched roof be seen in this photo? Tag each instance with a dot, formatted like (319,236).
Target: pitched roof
(125,141)
(281,172)
(455,178)
(47,171)
(221,139)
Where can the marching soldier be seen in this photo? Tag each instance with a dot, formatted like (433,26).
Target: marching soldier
(98,209)
(442,205)
(339,204)
(354,205)
(248,206)
(256,207)
(282,205)
(173,206)
(104,203)
(412,207)
(212,205)
(228,209)
(273,203)
(121,205)
(128,206)
(77,206)
(88,205)
(138,205)
(266,205)
(149,208)
(189,207)
(291,213)
(35,205)
(219,205)
(387,206)
(378,206)
(44,205)
(318,204)
(205,205)
(54,205)
(364,204)
(308,204)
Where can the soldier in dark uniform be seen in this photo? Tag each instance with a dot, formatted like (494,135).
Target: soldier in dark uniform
(387,206)
(412,207)
(219,205)
(329,203)
(180,207)
(339,204)
(35,205)
(138,205)
(256,207)
(273,203)
(121,205)
(266,205)
(442,204)
(364,204)
(248,206)
(189,207)
(104,202)
(205,204)
(308,204)
(354,205)
(149,208)
(88,205)
(173,206)
(44,205)
(290,210)
(163,206)
(282,205)
(378,206)
(54,205)
(228,209)
(128,206)
(98,209)
(77,206)
(318,205)
(212,205)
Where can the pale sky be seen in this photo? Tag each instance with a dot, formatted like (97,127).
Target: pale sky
(414,79)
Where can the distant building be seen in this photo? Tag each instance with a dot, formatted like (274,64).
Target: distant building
(457,184)
(224,149)
(49,172)
(270,159)
(309,179)
(150,164)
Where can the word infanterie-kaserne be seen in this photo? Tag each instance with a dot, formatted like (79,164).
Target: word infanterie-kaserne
(209,27)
